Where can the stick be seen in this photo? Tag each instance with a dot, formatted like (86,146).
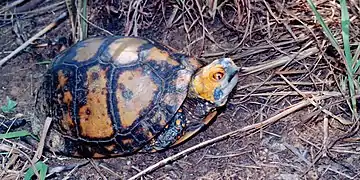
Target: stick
(259,125)
(13,4)
(56,22)
(41,144)
(278,62)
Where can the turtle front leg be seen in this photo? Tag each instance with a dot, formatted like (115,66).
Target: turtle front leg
(177,131)
(171,133)
(195,127)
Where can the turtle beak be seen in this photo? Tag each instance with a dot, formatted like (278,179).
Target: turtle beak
(233,74)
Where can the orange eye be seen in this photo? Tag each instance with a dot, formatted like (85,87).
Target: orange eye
(218,76)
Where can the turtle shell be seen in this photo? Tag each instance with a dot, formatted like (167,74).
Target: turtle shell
(111,95)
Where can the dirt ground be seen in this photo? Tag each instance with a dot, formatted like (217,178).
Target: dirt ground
(306,144)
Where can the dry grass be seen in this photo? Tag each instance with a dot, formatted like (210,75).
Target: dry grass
(286,60)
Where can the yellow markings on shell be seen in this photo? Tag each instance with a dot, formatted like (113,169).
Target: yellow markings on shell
(95,121)
(88,49)
(127,141)
(110,147)
(160,56)
(149,135)
(162,122)
(178,122)
(98,155)
(67,97)
(62,79)
(67,123)
(125,50)
(204,85)
(142,89)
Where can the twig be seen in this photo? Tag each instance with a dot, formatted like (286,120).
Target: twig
(256,126)
(279,62)
(226,156)
(341,173)
(97,169)
(72,14)
(341,120)
(326,136)
(292,93)
(110,170)
(13,4)
(96,26)
(56,22)
(275,83)
(41,144)
(4,147)
(38,10)
(69,174)
(28,5)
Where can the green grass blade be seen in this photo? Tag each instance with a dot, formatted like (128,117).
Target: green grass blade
(345,22)
(325,27)
(40,166)
(10,106)
(17,134)
(43,170)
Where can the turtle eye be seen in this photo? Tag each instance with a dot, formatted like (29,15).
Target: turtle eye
(218,76)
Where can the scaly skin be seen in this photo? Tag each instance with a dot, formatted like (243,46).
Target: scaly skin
(188,119)
(207,93)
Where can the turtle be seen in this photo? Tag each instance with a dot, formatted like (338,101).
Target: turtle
(117,95)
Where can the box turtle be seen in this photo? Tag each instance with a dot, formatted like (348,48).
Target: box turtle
(113,96)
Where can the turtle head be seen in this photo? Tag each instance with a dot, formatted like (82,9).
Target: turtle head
(215,81)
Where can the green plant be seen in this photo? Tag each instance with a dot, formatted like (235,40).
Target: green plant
(10,105)
(352,64)
(41,167)
(16,134)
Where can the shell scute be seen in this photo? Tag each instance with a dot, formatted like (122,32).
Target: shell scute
(127,143)
(82,53)
(161,62)
(63,106)
(176,90)
(157,118)
(135,92)
(87,49)
(160,56)
(123,51)
(94,122)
